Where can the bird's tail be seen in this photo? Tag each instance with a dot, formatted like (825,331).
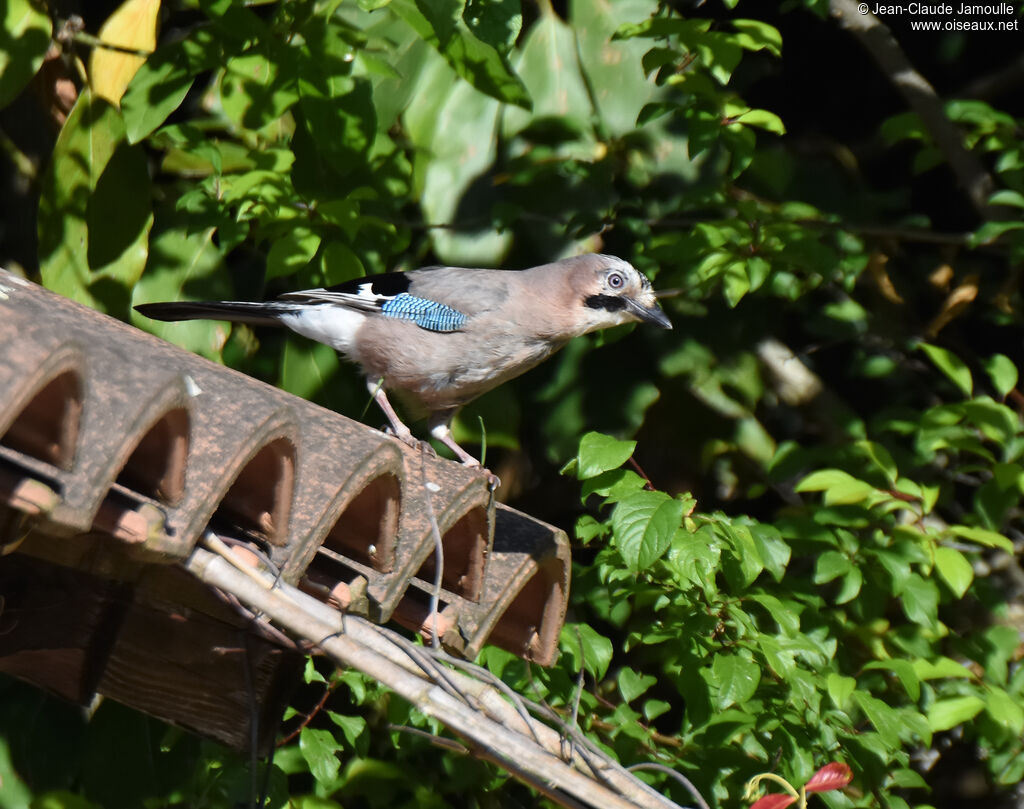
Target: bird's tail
(235,311)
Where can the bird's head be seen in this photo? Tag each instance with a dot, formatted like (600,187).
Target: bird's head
(612,291)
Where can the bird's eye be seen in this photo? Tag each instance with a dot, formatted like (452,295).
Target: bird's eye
(615,281)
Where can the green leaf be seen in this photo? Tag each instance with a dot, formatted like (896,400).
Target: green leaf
(991,231)
(881,458)
(735,678)
(755,35)
(339,263)
(612,68)
(839,688)
(955,570)
(553,81)
(951,365)
(442,15)
(990,539)
(1003,372)
(887,721)
(773,550)
(1005,710)
(735,282)
(763,119)
(850,586)
(612,485)
(496,22)
(320,750)
(600,453)
(352,727)
(180,260)
(745,553)
(86,251)
(1007,197)
(458,127)
(831,565)
(596,650)
(254,92)
(26,32)
(920,600)
(292,252)
(780,659)
(785,614)
(310,674)
(341,120)
(904,671)
(474,60)
(163,81)
(306,367)
(644,524)
(653,708)
(948,713)
(632,685)
(940,668)
(839,487)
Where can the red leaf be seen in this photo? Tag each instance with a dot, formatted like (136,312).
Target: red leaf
(832,776)
(776,800)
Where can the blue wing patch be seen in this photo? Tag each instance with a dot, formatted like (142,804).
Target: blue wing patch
(425,313)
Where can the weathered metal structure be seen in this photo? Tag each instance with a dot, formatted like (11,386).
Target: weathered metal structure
(119,452)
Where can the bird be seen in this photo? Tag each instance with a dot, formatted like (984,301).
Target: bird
(439,337)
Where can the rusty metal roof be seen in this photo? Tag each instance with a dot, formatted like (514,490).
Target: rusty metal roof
(119,451)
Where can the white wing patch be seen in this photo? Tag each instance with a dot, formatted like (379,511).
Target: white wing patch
(363,298)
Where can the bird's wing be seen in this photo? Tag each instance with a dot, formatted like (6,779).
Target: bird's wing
(388,295)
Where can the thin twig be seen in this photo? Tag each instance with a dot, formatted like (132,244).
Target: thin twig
(356,643)
(437,741)
(435,531)
(73,30)
(308,717)
(678,776)
(647,481)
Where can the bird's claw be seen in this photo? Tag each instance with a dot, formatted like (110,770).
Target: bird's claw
(406,437)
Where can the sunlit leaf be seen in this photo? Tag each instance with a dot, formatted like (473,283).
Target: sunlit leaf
(599,453)
(1003,372)
(132,27)
(955,570)
(644,524)
(95,210)
(735,678)
(951,365)
(587,648)
(948,713)
(320,750)
(26,38)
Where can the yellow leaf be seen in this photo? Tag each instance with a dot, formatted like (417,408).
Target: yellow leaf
(132,26)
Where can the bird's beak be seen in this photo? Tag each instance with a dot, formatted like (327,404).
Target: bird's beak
(649,314)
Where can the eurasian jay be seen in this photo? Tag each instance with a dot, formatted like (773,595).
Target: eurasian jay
(441,336)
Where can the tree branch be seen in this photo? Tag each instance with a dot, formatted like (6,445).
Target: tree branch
(476,711)
(922,98)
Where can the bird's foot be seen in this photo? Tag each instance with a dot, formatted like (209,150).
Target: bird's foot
(405,436)
(493,481)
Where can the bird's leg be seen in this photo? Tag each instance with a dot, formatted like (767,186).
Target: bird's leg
(441,430)
(443,433)
(401,432)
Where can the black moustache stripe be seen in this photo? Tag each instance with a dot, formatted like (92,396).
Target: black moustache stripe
(609,303)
